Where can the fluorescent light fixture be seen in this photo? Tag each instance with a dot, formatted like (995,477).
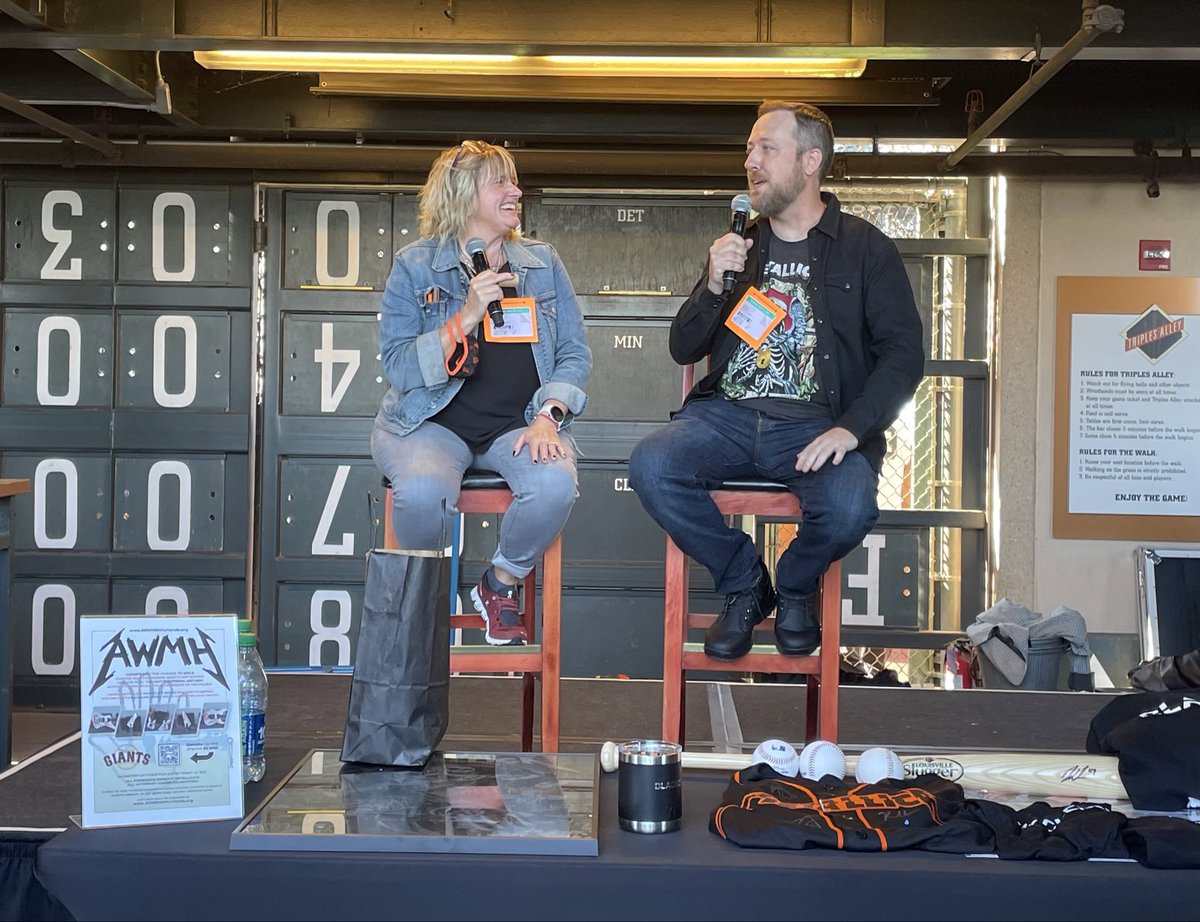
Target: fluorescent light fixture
(550,65)
(582,65)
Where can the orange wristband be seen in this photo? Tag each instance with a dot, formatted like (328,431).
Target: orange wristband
(454,325)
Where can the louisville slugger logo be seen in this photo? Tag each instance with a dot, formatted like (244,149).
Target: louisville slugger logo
(953,770)
(943,768)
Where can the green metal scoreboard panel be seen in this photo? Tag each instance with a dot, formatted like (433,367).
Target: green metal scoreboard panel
(126,330)
(328,255)
(137,386)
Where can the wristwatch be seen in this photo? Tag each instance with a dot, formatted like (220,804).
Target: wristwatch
(553,413)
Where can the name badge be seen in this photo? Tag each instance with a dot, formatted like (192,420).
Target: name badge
(520,322)
(754,317)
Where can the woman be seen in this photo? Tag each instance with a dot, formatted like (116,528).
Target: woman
(470,388)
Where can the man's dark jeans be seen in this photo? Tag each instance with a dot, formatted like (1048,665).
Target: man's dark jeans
(714,440)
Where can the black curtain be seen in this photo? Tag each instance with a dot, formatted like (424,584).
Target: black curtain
(22,895)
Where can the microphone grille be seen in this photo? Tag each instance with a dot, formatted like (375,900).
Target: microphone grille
(740,204)
(475,245)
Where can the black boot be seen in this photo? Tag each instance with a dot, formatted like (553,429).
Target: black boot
(732,634)
(797,630)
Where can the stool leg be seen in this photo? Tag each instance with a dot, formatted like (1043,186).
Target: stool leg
(527,699)
(831,654)
(551,642)
(529,615)
(812,699)
(675,606)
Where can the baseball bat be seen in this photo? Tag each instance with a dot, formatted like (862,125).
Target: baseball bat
(1044,774)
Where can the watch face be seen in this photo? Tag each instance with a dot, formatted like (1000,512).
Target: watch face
(557,414)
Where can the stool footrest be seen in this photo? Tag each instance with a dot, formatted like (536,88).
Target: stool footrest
(761,658)
(523,659)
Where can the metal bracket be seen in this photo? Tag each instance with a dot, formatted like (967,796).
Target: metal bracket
(1102,17)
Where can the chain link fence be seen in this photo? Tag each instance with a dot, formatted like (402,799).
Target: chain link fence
(923,467)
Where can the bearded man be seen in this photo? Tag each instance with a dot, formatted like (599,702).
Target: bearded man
(814,346)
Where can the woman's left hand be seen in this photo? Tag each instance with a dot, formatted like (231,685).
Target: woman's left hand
(542,438)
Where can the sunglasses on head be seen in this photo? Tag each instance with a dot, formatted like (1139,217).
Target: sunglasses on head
(473,146)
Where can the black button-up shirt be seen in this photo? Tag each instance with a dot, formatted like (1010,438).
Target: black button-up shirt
(870,339)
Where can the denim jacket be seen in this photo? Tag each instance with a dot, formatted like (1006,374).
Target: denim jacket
(428,285)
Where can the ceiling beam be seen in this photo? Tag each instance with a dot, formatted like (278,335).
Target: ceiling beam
(127,72)
(846,22)
(21,14)
(105,148)
(668,167)
(720,45)
(1097,20)
(821,92)
(123,70)
(902,29)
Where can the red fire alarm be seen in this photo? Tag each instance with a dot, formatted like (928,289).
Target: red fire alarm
(1154,255)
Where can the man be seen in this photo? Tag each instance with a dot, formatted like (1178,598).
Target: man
(804,376)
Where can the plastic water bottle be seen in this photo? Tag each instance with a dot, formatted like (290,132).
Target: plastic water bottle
(252,687)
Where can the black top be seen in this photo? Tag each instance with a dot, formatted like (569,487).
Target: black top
(762,809)
(1156,739)
(781,377)
(493,400)
(871,356)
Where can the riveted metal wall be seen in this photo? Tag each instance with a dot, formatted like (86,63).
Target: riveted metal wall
(129,380)
(125,399)
(632,259)
(328,252)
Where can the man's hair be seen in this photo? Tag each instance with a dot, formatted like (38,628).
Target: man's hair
(813,128)
(451,192)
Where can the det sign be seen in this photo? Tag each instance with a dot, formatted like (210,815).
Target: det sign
(1154,255)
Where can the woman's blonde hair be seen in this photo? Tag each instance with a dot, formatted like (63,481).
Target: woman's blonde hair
(451,192)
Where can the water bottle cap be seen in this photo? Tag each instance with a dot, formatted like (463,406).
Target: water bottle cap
(246,639)
(245,626)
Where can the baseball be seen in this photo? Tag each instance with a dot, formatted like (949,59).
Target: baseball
(878,763)
(820,758)
(780,755)
(608,756)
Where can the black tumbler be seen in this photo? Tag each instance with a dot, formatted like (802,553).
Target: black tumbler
(649,786)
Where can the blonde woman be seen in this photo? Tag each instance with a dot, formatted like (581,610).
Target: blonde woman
(476,381)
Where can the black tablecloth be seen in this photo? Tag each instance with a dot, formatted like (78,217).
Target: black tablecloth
(186,871)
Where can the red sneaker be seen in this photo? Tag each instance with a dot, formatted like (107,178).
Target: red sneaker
(500,613)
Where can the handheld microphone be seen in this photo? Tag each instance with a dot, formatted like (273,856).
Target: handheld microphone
(741,208)
(478,253)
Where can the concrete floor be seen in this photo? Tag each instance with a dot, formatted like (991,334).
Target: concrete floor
(35,729)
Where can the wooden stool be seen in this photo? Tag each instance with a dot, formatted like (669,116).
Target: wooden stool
(751,497)
(489,493)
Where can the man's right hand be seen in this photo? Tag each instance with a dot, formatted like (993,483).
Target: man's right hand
(726,253)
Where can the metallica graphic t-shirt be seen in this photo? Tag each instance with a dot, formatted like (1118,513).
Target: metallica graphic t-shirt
(780,376)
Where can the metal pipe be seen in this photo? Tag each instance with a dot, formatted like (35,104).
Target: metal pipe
(38,117)
(1096,20)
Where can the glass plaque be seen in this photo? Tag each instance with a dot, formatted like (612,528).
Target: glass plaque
(468,802)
